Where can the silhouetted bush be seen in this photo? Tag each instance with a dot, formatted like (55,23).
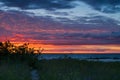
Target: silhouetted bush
(9,48)
(23,53)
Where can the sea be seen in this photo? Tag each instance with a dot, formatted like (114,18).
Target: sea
(89,57)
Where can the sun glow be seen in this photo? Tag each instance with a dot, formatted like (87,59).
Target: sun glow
(73,48)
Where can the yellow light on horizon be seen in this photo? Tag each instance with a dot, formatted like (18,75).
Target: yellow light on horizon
(73,48)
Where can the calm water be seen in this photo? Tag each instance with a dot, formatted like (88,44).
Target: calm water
(89,57)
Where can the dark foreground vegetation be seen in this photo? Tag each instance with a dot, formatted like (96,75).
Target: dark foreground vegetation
(17,61)
(14,70)
(71,69)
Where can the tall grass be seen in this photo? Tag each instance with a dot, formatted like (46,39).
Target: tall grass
(14,70)
(16,61)
(71,69)
(21,52)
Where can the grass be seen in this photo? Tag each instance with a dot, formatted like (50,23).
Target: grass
(14,70)
(71,69)
(16,61)
(18,68)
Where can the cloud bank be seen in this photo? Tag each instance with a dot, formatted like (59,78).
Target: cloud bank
(64,21)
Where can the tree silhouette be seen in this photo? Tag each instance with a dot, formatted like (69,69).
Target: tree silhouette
(7,48)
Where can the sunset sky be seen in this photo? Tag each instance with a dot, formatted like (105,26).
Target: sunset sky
(62,26)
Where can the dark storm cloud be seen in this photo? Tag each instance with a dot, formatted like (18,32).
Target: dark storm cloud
(65,10)
(101,36)
(108,6)
(33,4)
(77,38)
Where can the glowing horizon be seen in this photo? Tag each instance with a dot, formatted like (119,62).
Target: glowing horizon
(49,48)
(62,26)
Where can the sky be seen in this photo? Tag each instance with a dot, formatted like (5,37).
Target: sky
(62,26)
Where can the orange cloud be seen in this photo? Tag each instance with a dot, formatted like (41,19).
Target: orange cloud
(75,48)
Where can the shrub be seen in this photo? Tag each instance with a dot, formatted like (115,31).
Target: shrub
(8,48)
(23,53)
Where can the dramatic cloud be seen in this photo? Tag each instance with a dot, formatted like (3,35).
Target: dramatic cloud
(102,5)
(61,22)
(69,9)
(107,6)
(49,31)
(32,4)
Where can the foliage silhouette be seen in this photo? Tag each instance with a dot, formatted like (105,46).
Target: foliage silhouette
(9,51)
(8,48)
